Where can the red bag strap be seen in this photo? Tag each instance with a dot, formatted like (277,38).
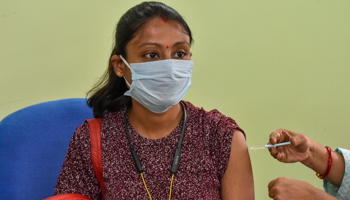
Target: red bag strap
(96,156)
(69,196)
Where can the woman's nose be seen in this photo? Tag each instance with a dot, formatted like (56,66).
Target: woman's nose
(167,55)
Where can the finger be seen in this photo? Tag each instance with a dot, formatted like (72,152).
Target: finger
(282,148)
(273,152)
(272,189)
(274,137)
(292,139)
(300,139)
(271,184)
(269,148)
(280,156)
(284,136)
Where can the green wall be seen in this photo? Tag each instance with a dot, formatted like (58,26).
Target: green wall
(268,64)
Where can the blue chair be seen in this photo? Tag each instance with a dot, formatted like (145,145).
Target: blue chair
(33,145)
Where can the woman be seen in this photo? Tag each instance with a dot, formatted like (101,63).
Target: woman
(331,166)
(139,103)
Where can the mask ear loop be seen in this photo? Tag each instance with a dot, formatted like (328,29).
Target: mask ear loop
(127,64)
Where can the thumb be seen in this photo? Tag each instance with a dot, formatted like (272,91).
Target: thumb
(292,139)
(299,139)
(271,184)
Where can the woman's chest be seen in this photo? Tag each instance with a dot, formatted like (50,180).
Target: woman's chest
(196,177)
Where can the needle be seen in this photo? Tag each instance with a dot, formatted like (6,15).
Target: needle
(269,145)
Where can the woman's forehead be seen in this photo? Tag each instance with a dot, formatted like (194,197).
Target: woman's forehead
(158,30)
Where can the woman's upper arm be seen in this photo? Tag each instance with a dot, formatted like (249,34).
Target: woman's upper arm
(237,181)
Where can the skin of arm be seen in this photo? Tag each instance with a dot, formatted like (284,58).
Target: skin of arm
(237,182)
(308,152)
(318,161)
(289,189)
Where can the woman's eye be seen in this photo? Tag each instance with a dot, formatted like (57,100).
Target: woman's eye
(180,54)
(152,55)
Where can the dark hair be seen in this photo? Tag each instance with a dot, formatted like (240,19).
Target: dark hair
(107,94)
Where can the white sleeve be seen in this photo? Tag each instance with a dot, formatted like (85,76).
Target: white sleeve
(343,192)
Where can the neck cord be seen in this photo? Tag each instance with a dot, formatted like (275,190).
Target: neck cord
(176,158)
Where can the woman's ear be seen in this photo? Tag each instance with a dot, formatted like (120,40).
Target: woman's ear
(118,65)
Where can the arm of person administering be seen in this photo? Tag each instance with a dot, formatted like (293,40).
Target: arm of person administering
(331,166)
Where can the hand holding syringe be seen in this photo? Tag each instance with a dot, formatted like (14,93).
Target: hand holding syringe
(269,145)
(300,148)
(287,146)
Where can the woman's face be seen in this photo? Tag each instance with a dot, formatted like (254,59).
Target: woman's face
(158,39)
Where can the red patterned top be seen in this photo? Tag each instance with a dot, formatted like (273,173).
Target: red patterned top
(205,154)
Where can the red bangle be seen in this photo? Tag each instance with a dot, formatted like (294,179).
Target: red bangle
(329,164)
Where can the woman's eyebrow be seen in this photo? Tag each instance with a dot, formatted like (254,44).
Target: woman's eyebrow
(182,42)
(150,43)
(159,45)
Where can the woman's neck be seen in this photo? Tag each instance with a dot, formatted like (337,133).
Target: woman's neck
(154,125)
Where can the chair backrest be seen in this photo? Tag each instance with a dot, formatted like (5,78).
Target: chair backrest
(33,145)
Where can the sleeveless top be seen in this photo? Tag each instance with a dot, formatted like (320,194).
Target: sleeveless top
(205,154)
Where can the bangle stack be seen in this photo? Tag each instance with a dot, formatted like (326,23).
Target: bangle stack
(329,164)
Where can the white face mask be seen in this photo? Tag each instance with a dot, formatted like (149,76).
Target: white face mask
(158,85)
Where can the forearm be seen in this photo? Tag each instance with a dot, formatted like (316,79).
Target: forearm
(322,195)
(318,161)
(291,189)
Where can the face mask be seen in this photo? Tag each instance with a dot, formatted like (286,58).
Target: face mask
(158,85)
